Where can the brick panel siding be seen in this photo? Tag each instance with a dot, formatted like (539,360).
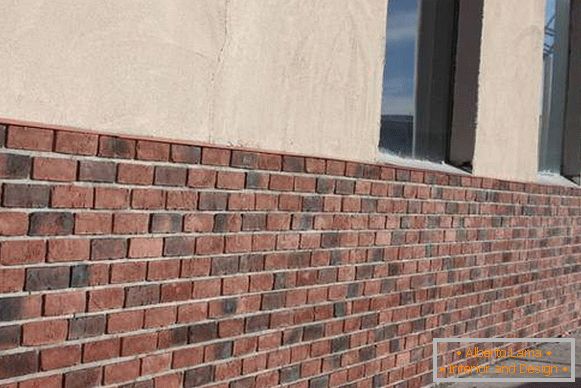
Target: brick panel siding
(158,264)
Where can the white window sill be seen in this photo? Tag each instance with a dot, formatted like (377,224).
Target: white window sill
(386,157)
(550,178)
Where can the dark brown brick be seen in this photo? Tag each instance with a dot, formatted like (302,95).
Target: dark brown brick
(170,176)
(244,159)
(166,223)
(19,364)
(113,147)
(14,166)
(86,327)
(213,201)
(83,378)
(179,246)
(293,163)
(19,307)
(9,337)
(97,171)
(290,374)
(108,248)
(49,278)
(142,295)
(257,323)
(185,154)
(80,275)
(199,376)
(51,224)
(31,196)
(203,332)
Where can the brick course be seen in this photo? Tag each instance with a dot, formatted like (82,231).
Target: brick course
(164,264)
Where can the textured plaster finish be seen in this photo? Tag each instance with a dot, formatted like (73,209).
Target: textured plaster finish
(509,90)
(290,75)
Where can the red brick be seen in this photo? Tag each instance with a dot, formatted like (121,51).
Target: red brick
(125,321)
(269,162)
(182,200)
(206,245)
(185,154)
(215,156)
(281,182)
(241,201)
(13,223)
(198,222)
(135,174)
(111,198)
(128,272)
(149,150)
(54,381)
(51,224)
(130,223)
(230,180)
(315,166)
(114,147)
(161,316)
(235,285)
(155,364)
(163,269)
(238,243)
(76,143)
(201,178)
(11,280)
(54,169)
(64,303)
(176,291)
(97,171)
(18,252)
(62,357)
(68,250)
(104,299)
(196,267)
(29,138)
(93,223)
(101,350)
(44,332)
(72,197)
(14,166)
(145,247)
(173,380)
(138,344)
(148,199)
(121,372)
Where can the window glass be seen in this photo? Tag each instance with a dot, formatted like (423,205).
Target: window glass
(419,55)
(554,92)
(398,103)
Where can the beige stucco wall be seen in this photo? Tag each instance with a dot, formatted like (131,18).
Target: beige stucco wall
(291,75)
(509,89)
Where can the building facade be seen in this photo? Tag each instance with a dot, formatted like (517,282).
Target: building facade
(302,193)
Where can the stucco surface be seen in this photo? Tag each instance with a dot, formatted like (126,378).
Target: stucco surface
(291,75)
(509,90)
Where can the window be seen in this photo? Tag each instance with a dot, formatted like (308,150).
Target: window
(416,108)
(554,92)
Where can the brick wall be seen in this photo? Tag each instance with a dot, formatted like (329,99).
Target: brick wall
(157,264)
